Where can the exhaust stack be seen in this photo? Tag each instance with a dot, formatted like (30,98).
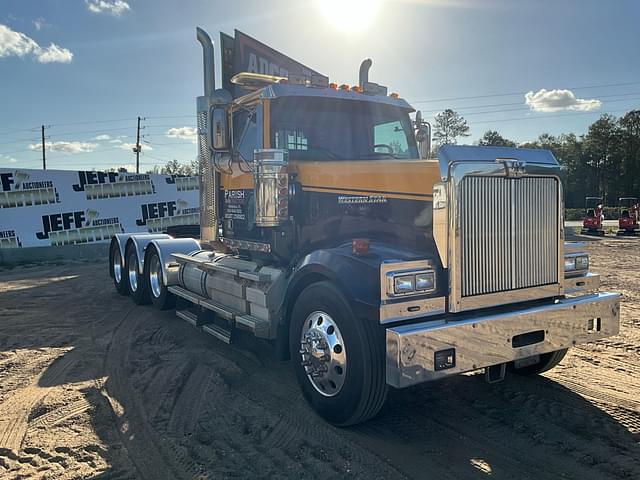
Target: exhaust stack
(364,72)
(209,177)
(207,61)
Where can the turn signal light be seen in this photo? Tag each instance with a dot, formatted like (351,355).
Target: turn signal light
(360,246)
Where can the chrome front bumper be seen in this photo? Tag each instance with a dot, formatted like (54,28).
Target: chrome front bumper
(494,339)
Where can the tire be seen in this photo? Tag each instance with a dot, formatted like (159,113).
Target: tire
(547,362)
(136,283)
(357,365)
(160,296)
(117,271)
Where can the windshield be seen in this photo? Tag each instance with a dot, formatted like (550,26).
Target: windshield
(334,129)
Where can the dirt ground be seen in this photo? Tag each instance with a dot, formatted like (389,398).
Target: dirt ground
(92,386)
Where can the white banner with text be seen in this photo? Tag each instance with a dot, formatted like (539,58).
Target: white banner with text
(59,207)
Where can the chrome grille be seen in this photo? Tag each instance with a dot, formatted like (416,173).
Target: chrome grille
(509,233)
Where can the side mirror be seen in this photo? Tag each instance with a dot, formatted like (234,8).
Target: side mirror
(423,136)
(219,131)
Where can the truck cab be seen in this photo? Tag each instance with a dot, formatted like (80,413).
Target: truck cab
(327,230)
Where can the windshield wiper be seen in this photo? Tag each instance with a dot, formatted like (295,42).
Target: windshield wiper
(388,155)
(326,150)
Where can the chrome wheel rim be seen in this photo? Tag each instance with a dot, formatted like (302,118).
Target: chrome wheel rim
(133,272)
(323,354)
(116,264)
(155,276)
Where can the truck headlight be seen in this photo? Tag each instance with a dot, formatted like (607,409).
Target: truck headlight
(582,262)
(403,284)
(425,281)
(576,263)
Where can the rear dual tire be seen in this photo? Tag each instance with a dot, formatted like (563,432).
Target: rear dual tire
(159,294)
(137,285)
(117,270)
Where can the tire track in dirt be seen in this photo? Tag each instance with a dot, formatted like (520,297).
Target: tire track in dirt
(154,457)
(293,428)
(59,415)
(14,413)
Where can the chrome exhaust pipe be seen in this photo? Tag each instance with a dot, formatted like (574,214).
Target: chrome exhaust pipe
(364,72)
(208,60)
(209,177)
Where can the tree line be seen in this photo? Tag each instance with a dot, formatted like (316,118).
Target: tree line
(603,162)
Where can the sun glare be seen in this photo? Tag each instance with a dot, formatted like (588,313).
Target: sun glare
(350,15)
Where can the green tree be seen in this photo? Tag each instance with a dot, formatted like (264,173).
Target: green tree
(174,167)
(449,125)
(602,148)
(630,138)
(494,139)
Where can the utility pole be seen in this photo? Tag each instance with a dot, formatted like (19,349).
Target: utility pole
(137,148)
(44,154)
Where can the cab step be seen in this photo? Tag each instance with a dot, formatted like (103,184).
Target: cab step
(188,316)
(217,331)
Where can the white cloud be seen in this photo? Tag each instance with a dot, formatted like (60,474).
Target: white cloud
(17,44)
(115,140)
(113,7)
(556,100)
(102,137)
(66,147)
(54,53)
(9,159)
(182,133)
(40,23)
(129,146)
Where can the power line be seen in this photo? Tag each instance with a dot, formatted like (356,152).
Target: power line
(610,112)
(44,151)
(473,97)
(81,132)
(33,129)
(193,115)
(520,103)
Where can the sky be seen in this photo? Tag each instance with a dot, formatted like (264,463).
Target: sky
(86,69)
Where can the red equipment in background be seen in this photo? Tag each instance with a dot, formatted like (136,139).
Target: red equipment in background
(628,219)
(592,222)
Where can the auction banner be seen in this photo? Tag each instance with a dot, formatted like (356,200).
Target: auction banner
(59,207)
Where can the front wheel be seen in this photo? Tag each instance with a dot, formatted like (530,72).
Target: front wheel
(546,361)
(339,360)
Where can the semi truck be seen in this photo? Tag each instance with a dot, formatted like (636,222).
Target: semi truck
(327,230)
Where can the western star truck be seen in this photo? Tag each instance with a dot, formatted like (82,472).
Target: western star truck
(326,229)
